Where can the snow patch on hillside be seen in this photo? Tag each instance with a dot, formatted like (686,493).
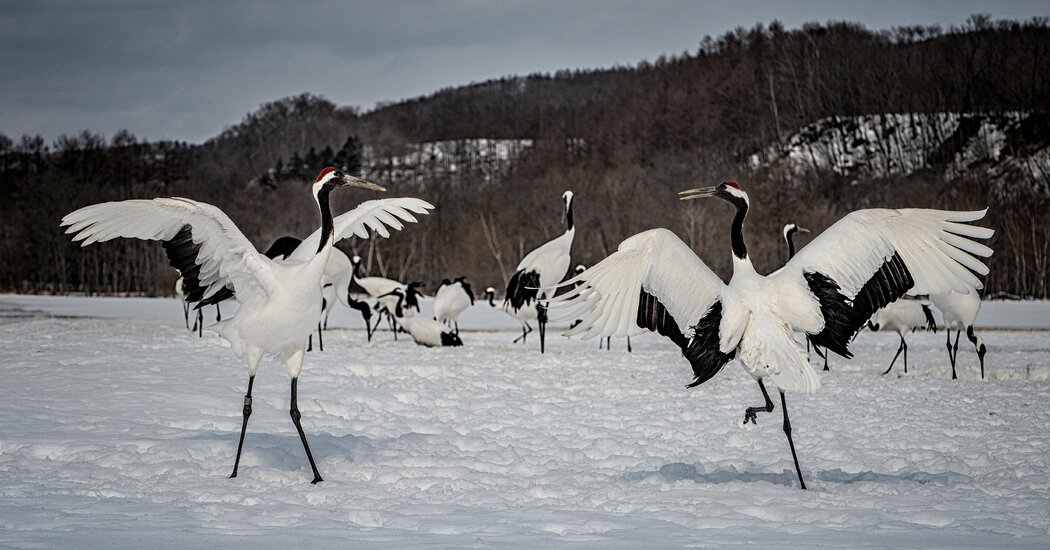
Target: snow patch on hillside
(1000,146)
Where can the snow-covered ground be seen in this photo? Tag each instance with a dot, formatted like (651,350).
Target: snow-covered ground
(118,428)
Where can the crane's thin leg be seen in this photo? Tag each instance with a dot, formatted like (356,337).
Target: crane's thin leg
(296,416)
(218,313)
(899,349)
(379,319)
(628,344)
(541,318)
(525,330)
(791,443)
(456,322)
(320,338)
(749,414)
(979,348)
(247,411)
(186,314)
(310,342)
(948,344)
(200,323)
(955,353)
(905,344)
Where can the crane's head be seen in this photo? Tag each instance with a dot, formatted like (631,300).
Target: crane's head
(792,228)
(331,178)
(356,260)
(490,292)
(729,191)
(580,269)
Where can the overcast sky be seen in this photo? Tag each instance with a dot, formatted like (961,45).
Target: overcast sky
(185,70)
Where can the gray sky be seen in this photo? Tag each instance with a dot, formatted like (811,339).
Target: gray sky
(186,70)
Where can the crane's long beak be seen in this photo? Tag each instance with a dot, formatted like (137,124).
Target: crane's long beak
(351,181)
(801,229)
(698,193)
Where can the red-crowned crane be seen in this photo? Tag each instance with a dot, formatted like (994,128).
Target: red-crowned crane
(789,237)
(451,299)
(540,270)
(425,332)
(342,283)
(280,303)
(903,316)
(959,311)
(524,314)
(380,288)
(828,290)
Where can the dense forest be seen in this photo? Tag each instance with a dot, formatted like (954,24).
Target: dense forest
(624,139)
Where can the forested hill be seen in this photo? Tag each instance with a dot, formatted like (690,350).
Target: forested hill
(968,109)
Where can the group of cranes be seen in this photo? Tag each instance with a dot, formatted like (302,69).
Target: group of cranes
(653,282)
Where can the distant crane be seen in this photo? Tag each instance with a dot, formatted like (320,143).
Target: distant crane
(380,288)
(903,316)
(540,270)
(425,332)
(524,314)
(279,302)
(342,284)
(789,233)
(828,290)
(451,299)
(959,311)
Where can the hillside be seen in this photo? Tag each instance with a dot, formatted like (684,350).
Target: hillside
(814,122)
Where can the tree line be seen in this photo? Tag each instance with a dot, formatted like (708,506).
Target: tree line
(624,139)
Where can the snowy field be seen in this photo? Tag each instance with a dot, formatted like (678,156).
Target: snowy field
(118,428)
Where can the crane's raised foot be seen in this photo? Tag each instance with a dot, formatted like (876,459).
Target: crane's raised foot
(750,413)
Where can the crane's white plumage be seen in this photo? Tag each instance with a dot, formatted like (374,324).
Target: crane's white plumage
(959,311)
(280,302)
(902,317)
(331,281)
(452,299)
(828,290)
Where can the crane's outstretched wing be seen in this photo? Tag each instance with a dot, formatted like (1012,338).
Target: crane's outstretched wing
(201,241)
(872,257)
(652,282)
(377,215)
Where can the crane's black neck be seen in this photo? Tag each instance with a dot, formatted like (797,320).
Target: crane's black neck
(398,310)
(327,228)
(568,216)
(492,299)
(789,236)
(739,248)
